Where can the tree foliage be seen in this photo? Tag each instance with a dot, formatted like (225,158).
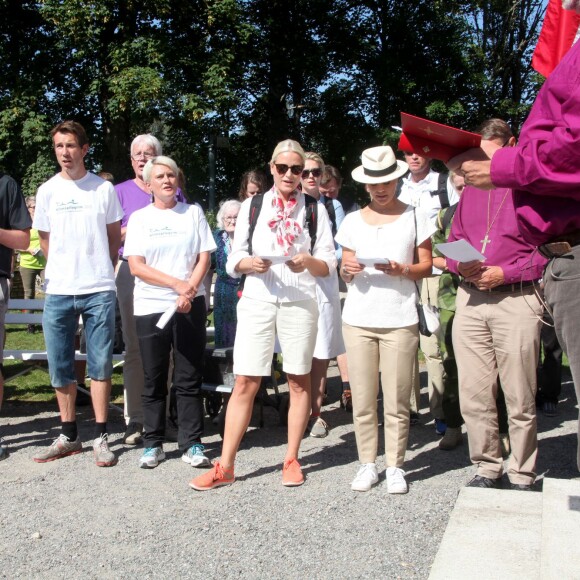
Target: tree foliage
(334,74)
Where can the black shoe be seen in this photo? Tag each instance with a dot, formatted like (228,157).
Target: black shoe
(549,409)
(413,418)
(480,481)
(522,487)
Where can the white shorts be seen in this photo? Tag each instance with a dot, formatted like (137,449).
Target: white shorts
(329,342)
(258,324)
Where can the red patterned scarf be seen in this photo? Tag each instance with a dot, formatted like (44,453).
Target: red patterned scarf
(285,228)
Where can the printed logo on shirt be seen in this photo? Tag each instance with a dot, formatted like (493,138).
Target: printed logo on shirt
(164,232)
(71,206)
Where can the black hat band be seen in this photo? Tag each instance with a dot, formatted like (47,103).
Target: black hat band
(380,172)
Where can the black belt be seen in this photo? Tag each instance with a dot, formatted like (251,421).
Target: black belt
(504,287)
(560,245)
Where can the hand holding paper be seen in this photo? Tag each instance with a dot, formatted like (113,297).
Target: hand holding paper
(460,251)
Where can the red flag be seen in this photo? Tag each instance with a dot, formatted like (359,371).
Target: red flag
(557,36)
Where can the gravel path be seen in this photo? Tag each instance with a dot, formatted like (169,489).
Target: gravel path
(69,518)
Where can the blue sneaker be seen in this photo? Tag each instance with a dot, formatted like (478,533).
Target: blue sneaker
(151,457)
(440,426)
(195,456)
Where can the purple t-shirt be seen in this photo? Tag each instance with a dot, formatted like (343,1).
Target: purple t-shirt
(544,168)
(505,247)
(132,198)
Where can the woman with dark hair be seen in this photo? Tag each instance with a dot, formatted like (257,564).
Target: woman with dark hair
(252,182)
(386,248)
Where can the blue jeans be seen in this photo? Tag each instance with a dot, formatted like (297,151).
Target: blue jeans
(60,322)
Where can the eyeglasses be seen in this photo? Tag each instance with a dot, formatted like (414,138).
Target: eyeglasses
(282,168)
(316,172)
(230,219)
(139,156)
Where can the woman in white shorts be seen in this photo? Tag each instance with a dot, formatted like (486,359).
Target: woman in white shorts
(379,319)
(279,296)
(329,343)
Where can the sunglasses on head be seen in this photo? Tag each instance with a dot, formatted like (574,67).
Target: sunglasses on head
(316,172)
(282,168)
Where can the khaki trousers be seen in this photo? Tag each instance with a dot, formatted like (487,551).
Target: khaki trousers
(391,352)
(498,333)
(133,377)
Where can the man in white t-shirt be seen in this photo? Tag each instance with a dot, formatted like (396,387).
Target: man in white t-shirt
(422,187)
(78,217)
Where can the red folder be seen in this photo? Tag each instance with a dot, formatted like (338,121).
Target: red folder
(434,140)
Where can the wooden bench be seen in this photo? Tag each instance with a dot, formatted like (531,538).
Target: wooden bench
(35,308)
(29,311)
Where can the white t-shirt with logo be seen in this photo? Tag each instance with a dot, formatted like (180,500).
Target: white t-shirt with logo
(76,214)
(170,241)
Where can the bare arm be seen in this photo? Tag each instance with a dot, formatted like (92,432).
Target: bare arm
(114,235)
(421,269)
(44,239)
(200,270)
(15,239)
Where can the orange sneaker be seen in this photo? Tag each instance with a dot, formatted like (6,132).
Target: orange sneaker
(216,476)
(292,474)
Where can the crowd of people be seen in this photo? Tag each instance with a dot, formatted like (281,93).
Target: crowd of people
(299,275)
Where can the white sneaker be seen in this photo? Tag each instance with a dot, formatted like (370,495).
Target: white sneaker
(396,480)
(365,478)
(151,457)
(195,456)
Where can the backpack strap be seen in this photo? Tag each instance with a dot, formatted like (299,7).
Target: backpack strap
(448,216)
(255,209)
(329,205)
(311,218)
(441,190)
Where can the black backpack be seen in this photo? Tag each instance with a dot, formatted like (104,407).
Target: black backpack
(256,208)
(441,190)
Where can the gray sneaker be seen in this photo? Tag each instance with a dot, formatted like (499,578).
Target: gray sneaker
(195,456)
(61,447)
(318,427)
(133,434)
(151,457)
(104,457)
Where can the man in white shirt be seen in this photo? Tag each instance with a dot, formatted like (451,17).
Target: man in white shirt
(422,187)
(78,217)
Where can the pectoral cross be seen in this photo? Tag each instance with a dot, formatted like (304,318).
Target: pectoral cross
(485,241)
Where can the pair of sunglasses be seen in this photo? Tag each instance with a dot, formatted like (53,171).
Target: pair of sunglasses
(282,168)
(316,172)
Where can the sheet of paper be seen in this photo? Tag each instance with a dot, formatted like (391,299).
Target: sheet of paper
(371,261)
(461,250)
(166,316)
(277,259)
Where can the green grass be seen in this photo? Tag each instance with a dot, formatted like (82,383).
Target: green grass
(34,386)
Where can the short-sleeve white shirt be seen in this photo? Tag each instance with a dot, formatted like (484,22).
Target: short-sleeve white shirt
(280,284)
(170,241)
(76,214)
(375,299)
(419,194)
